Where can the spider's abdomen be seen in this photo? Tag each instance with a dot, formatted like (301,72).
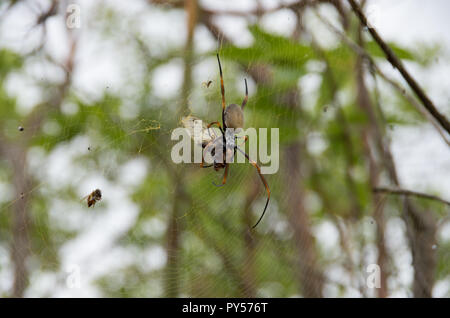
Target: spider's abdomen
(234,116)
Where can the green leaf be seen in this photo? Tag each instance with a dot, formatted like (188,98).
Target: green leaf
(402,53)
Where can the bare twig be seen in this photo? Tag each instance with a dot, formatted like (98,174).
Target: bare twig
(16,154)
(410,193)
(174,230)
(373,141)
(361,52)
(258,11)
(413,102)
(346,133)
(397,63)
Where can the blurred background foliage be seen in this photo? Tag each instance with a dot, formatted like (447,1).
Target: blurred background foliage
(189,238)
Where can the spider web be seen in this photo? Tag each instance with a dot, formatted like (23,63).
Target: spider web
(103,242)
(119,246)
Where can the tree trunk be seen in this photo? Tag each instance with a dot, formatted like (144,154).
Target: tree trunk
(171,278)
(171,275)
(420,225)
(421,229)
(248,270)
(20,248)
(310,276)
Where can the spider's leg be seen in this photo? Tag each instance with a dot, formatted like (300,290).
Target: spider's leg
(224,176)
(222,90)
(245,140)
(246,95)
(254,164)
(202,165)
(215,123)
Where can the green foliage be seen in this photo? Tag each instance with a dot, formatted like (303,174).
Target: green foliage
(216,248)
(273,49)
(443,257)
(9,61)
(402,53)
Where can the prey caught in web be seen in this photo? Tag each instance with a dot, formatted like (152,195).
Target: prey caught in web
(93,197)
(232,119)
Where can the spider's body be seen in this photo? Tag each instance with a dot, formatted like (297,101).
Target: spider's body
(232,122)
(228,149)
(234,116)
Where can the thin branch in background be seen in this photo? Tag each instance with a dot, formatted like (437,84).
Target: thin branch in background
(361,52)
(259,11)
(346,131)
(413,102)
(311,276)
(174,229)
(421,227)
(16,154)
(373,141)
(250,241)
(246,288)
(410,193)
(397,63)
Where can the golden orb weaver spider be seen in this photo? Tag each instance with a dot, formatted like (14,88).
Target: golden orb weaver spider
(232,119)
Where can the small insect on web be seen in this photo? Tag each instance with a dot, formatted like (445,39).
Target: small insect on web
(93,197)
(206,84)
(233,118)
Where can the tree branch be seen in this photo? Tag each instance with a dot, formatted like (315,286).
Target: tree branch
(361,52)
(258,11)
(397,63)
(410,193)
